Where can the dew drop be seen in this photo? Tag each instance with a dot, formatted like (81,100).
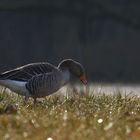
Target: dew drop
(110,112)
(65,116)
(49,138)
(100,120)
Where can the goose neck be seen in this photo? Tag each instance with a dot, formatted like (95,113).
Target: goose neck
(65,76)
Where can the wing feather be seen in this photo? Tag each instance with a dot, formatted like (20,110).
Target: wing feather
(26,72)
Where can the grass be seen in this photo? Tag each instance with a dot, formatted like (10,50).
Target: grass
(72,117)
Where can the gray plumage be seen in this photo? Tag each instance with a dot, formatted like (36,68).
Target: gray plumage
(40,79)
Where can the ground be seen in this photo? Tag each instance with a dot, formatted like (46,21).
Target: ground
(77,116)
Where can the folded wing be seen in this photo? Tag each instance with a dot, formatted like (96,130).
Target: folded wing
(26,72)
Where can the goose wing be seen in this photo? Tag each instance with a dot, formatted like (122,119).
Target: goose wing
(26,72)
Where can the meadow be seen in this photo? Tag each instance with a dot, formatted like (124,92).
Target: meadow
(76,116)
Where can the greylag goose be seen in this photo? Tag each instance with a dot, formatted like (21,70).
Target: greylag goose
(38,80)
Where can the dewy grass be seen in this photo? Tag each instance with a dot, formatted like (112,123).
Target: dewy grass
(72,117)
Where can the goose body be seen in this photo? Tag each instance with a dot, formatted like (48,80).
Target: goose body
(41,79)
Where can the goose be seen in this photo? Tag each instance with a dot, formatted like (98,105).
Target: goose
(41,79)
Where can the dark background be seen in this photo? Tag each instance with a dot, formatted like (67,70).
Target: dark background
(104,35)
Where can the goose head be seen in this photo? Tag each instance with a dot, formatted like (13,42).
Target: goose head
(74,68)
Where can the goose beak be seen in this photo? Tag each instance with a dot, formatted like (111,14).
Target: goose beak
(83,79)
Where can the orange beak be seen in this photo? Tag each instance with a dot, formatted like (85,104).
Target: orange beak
(83,79)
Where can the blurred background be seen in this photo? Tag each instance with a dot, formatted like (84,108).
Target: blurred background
(103,35)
